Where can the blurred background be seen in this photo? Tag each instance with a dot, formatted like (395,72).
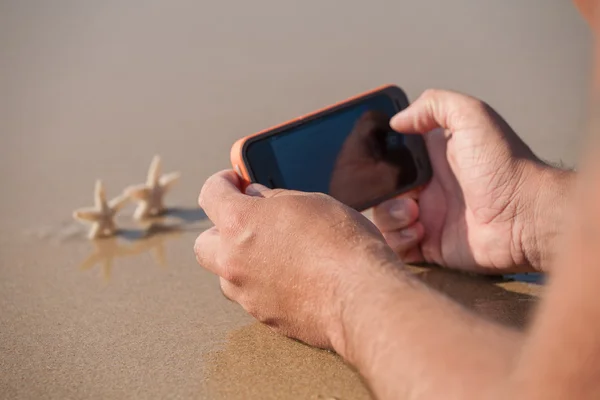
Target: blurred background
(94,88)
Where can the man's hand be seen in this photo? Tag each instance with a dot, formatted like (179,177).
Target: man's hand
(491,205)
(290,259)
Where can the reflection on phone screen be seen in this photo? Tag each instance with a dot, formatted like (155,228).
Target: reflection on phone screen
(351,154)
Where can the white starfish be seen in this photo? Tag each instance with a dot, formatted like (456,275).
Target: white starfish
(151,194)
(103,213)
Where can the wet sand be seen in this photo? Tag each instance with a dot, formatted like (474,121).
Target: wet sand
(94,89)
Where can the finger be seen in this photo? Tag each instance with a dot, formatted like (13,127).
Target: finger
(439,109)
(228,289)
(395,214)
(206,249)
(221,196)
(412,256)
(403,240)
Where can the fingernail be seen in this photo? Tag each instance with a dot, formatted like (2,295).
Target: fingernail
(396,117)
(255,189)
(398,210)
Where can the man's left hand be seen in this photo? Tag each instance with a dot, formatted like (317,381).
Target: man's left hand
(291,259)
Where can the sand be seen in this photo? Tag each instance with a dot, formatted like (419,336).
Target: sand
(92,90)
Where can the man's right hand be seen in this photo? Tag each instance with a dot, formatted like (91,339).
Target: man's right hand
(492,206)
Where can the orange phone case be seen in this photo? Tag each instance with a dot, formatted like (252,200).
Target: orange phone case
(237,158)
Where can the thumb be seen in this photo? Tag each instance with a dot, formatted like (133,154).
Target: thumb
(438,109)
(258,190)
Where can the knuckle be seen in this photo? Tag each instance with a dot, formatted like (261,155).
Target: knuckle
(201,195)
(233,221)
(205,190)
(227,289)
(323,198)
(478,105)
(452,99)
(230,274)
(237,216)
(200,248)
(477,110)
(431,93)
(229,269)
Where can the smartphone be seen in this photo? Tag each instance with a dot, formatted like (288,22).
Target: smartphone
(347,150)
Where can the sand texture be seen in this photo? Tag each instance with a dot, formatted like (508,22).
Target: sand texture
(94,89)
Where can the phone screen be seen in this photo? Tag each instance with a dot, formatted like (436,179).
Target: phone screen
(351,154)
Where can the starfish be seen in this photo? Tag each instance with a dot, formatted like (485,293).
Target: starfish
(103,213)
(150,195)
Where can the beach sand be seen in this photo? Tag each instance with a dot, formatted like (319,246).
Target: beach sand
(93,90)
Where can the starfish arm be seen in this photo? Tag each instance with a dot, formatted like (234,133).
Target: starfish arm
(95,231)
(99,195)
(86,214)
(154,172)
(167,181)
(118,202)
(141,212)
(137,192)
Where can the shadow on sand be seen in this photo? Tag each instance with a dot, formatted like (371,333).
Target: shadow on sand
(507,301)
(149,238)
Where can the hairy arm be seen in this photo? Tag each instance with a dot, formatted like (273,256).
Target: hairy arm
(549,196)
(410,342)
(561,356)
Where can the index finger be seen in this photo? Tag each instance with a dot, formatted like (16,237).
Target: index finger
(439,109)
(221,196)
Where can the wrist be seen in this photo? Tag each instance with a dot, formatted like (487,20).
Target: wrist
(547,200)
(359,302)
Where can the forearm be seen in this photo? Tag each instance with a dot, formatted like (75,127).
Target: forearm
(561,358)
(410,342)
(547,200)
